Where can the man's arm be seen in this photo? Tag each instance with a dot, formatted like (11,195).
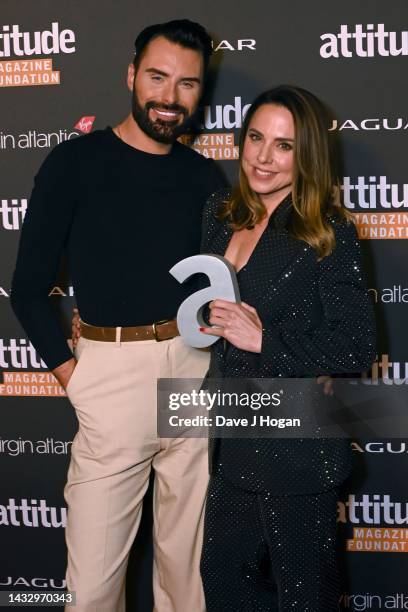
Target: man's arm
(44,233)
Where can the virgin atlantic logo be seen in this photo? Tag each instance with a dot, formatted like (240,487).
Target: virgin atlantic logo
(85,124)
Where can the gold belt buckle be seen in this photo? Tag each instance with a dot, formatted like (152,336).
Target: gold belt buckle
(154,325)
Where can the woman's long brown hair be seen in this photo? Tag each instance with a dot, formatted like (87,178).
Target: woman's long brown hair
(315,187)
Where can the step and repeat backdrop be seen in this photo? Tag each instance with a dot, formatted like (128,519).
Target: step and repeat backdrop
(62,74)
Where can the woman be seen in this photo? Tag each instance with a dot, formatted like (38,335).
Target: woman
(270,525)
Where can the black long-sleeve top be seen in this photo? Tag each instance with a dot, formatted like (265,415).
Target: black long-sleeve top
(124,218)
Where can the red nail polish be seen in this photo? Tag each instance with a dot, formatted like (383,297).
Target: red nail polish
(201,329)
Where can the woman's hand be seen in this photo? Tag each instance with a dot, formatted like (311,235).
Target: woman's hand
(75,327)
(237,323)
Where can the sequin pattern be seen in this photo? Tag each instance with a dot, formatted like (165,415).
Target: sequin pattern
(263,553)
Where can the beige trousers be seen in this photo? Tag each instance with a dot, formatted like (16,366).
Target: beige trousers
(113,390)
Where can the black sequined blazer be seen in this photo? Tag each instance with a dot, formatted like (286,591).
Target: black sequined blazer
(317,319)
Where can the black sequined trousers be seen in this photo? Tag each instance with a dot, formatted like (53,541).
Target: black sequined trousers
(265,553)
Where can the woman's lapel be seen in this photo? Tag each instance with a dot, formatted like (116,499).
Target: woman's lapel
(275,257)
(221,239)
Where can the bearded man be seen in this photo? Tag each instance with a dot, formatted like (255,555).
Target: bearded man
(125,203)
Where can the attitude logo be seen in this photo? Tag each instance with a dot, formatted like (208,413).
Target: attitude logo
(32,513)
(20,354)
(373,193)
(219,145)
(12,213)
(384,371)
(36,71)
(368,41)
(367,515)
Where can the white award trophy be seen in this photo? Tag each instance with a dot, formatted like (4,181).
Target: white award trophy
(223,285)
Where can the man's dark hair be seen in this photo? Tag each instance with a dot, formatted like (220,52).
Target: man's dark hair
(182,32)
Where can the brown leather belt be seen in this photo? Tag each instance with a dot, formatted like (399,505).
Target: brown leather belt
(162,330)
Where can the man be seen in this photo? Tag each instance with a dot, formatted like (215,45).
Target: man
(126,203)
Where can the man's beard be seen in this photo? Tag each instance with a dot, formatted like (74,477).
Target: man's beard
(162,131)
